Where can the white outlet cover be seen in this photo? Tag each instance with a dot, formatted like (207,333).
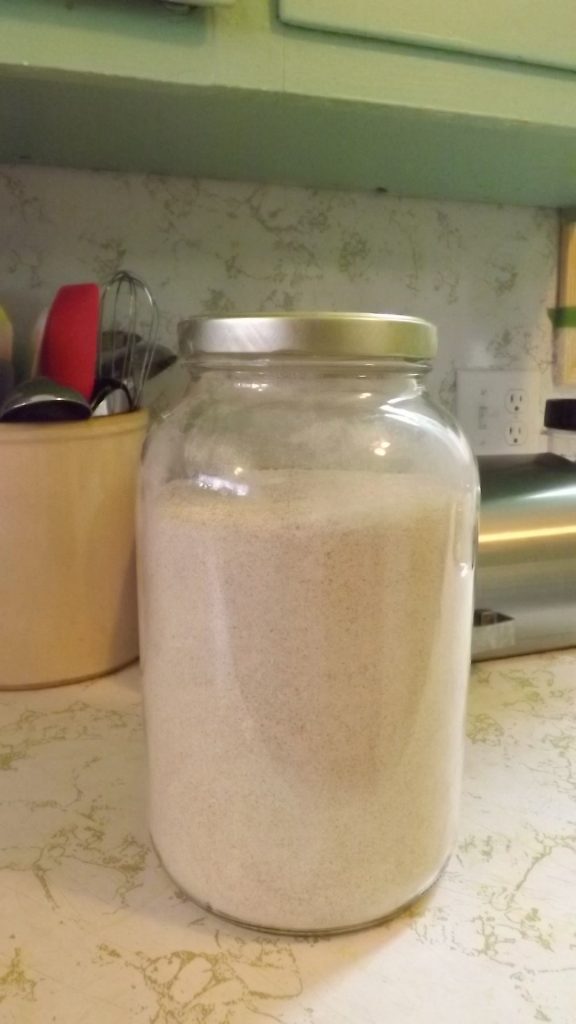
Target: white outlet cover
(499,410)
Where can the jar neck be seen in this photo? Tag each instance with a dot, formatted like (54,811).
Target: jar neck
(292,367)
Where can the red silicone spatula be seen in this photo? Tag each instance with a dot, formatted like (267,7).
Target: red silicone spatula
(70,342)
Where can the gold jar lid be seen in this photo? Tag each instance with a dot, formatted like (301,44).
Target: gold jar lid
(321,335)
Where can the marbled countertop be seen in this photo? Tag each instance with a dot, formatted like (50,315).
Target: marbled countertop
(93,932)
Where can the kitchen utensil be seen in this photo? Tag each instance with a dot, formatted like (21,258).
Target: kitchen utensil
(42,400)
(163,391)
(6,379)
(36,338)
(6,336)
(70,343)
(128,318)
(117,340)
(111,397)
(159,359)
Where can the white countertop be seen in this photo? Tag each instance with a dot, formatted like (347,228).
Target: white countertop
(92,931)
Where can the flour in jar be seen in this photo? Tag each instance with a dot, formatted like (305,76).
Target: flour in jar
(304,692)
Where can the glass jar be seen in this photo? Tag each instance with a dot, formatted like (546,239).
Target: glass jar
(307,536)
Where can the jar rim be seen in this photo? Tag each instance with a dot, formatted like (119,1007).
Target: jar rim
(346,336)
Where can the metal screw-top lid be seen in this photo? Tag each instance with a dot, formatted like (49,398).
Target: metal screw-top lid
(321,335)
(560,414)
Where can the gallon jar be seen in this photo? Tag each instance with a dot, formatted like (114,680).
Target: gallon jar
(307,531)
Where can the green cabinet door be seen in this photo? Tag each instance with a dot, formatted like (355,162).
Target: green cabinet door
(233,91)
(525,30)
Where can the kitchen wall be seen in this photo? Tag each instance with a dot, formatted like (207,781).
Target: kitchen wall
(484,274)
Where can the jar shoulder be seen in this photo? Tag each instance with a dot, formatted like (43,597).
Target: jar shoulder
(383,426)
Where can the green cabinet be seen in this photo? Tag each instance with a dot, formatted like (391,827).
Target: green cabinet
(526,30)
(244,92)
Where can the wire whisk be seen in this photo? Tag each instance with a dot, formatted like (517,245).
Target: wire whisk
(128,332)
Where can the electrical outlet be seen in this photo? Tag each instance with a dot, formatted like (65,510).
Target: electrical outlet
(515,434)
(515,401)
(499,410)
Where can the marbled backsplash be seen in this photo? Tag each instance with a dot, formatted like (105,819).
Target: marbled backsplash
(484,274)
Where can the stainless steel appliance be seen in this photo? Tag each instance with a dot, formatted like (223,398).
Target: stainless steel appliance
(526,572)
